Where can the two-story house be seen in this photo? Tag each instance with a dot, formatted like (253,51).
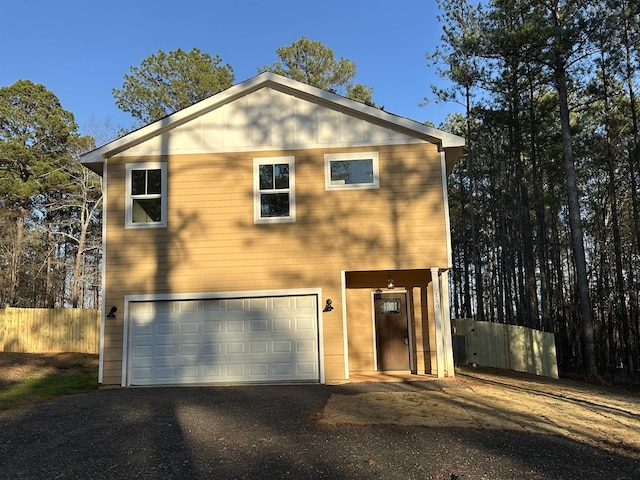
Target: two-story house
(275,232)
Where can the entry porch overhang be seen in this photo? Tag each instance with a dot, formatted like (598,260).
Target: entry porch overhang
(428,323)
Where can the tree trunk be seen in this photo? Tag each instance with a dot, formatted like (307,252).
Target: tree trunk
(634,169)
(575,221)
(48,286)
(16,259)
(620,305)
(78,263)
(541,237)
(472,214)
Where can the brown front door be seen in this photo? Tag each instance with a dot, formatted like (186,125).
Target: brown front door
(392,332)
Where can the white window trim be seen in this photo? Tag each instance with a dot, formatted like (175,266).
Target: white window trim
(256,189)
(332,157)
(163,194)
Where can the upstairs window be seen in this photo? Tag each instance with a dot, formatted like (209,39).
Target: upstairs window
(345,171)
(274,199)
(146,195)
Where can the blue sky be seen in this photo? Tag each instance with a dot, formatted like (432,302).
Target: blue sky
(81,49)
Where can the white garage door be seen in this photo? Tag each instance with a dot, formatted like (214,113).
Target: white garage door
(272,339)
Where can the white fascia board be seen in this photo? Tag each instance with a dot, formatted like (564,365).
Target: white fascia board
(266,79)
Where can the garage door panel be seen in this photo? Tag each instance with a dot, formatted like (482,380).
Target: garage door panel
(258,347)
(282,324)
(258,304)
(190,350)
(189,372)
(235,348)
(212,348)
(234,304)
(224,340)
(283,303)
(308,368)
(305,323)
(166,350)
(142,329)
(191,327)
(236,370)
(259,325)
(304,346)
(212,326)
(143,374)
(259,369)
(166,328)
(283,369)
(236,326)
(212,372)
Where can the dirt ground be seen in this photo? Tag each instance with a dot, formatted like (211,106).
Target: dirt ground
(14,367)
(603,417)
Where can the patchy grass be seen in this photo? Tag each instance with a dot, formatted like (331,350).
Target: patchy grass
(29,378)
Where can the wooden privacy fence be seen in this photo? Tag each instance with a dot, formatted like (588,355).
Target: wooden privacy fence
(42,330)
(511,347)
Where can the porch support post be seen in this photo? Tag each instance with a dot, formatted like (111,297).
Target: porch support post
(440,352)
(446,324)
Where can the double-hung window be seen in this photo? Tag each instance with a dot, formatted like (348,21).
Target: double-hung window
(347,171)
(146,195)
(274,192)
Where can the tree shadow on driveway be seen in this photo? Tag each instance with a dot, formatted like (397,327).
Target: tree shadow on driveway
(270,432)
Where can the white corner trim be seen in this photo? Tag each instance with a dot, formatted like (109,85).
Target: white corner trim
(125,344)
(320,335)
(447,219)
(103,275)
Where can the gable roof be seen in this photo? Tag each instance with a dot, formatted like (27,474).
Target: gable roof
(445,141)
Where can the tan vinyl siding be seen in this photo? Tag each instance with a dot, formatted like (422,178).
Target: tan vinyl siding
(211,243)
(418,321)
(361,354)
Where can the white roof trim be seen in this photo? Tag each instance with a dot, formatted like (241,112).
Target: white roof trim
(99,155)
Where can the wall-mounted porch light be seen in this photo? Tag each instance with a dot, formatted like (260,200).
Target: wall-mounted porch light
(112,312)
(327,306)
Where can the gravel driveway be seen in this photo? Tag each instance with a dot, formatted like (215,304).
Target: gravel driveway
(278,432)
